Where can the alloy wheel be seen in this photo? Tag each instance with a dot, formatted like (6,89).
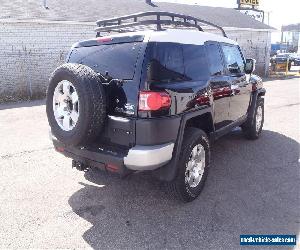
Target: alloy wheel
(66,105)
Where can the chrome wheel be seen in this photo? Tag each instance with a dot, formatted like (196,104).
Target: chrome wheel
(195,166)
(66,105)
(258,118)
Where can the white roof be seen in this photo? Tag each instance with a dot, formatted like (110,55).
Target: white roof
(179,36)
(187,37)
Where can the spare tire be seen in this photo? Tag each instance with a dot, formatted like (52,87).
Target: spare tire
(76,104)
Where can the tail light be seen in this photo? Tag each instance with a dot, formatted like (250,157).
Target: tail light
(151,101)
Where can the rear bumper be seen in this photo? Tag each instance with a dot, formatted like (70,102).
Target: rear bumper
(93,157)
(121,161)
(148,157)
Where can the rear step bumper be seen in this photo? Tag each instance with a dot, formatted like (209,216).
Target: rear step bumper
(93,157)
(148,157)
(136,158)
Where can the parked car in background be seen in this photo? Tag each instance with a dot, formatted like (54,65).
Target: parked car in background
(280,62)
(296,59)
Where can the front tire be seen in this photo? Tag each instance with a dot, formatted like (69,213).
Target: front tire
(252,128)
(193,166)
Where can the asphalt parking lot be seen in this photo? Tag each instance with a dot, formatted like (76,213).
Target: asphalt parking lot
(252,188)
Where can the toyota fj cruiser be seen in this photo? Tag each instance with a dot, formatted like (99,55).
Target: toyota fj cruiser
(153,99)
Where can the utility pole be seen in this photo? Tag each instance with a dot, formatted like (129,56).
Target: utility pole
(281,40)
(268,12)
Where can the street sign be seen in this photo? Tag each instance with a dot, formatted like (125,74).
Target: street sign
(249,2)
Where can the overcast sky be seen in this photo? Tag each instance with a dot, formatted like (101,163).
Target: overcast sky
(281,12)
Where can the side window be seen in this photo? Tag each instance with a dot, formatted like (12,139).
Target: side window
(195,62)
(166,62)
(215,59)
(233,59)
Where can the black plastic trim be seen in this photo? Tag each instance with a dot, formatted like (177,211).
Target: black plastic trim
(168,172)
(252,106)
(156,131)
(94,157)
(120,131)
(225,130)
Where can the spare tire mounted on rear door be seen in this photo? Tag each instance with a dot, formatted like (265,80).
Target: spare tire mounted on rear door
(76,104)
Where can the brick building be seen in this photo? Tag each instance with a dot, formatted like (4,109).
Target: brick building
(34,39)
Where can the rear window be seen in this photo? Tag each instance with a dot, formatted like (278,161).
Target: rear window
(119,60)
(176,62)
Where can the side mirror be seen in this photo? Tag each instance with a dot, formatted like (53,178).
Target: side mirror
(250,65)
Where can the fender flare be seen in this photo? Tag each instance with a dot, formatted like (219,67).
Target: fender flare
(169,171)
(253,101)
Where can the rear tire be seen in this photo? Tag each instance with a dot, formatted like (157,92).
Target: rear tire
(91,110)
(186,186)
(252,128)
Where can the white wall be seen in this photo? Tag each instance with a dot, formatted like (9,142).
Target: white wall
(254,44)
(30,51)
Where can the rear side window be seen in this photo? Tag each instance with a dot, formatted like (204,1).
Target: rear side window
(195,61)
(233,58)
(119,60)
(165,62)
(176,62)
(170,56)
(215,59)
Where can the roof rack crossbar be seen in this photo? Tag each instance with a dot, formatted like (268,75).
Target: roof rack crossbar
(146,23)
(116,24)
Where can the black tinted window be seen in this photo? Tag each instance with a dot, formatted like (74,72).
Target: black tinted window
(195,62)
(165,62)
(233,59)
(176,62)
(170,56)
(215,59)
(118,60)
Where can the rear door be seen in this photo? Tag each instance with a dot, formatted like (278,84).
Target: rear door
(239,81)
(220,85)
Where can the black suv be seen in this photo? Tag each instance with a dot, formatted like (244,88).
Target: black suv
(153,99)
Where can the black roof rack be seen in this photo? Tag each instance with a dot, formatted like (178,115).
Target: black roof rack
(157,18)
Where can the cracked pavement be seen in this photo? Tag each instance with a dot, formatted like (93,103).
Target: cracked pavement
(252,188)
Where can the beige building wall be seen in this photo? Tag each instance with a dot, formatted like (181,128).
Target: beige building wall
(30,51)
